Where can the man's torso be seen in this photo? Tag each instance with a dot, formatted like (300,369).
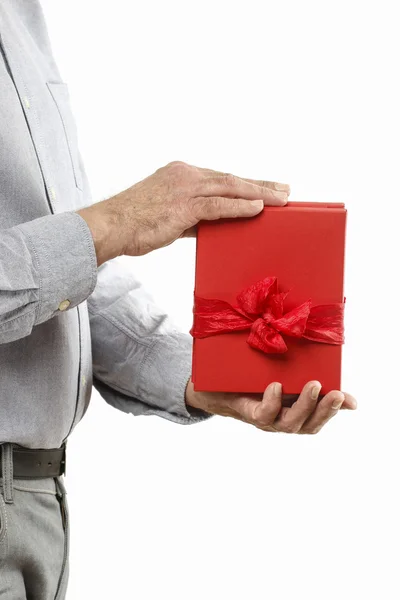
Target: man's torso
(45,378)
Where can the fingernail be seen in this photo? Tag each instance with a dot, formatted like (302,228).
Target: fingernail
(315,391)
(337,403)
(257,204)
(281,196)
(278,389)
(282,186)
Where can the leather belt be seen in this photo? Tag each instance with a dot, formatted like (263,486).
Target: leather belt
(34,464)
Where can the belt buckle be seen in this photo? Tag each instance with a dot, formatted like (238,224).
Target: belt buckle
(64,462)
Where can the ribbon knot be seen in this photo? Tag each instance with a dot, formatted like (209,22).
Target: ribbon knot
(260,309)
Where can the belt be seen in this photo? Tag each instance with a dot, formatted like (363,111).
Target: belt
(33,464)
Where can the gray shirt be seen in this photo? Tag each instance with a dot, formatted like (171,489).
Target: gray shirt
(64,323)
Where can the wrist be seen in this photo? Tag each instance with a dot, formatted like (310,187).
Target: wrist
(194,399)
(190,395)
(103,222)
(197,402)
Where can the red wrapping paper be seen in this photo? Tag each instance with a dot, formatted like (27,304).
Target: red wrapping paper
(300,246)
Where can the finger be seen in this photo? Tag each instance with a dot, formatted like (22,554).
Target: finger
(216,207)
(260,413)
(273,185)
(243,408)
(229,186)
(327,408)
(269,407)
(349,402)
(291,419)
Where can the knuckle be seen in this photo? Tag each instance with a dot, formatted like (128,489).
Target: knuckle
(203,208)
(229,180)
(291,428)
(235,206)
(177,167)
(175,164)
(263,423)
(268,428)
(312,431)
(212,207)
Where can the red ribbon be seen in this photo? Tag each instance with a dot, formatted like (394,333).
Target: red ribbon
(260,309)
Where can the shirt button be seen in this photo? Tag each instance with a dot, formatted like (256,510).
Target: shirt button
(64,305)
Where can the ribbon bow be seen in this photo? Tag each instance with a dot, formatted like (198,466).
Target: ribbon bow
(260,309)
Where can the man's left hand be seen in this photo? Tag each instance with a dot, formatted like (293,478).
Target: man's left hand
(305,414)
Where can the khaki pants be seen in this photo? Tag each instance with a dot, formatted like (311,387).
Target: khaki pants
(34,539)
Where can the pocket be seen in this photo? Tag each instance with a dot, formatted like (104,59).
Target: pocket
(60,95)
(3,518)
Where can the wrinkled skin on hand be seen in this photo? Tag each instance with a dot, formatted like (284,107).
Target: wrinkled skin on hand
(306,413)
(168,205)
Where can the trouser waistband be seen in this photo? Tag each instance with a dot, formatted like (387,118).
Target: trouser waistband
(26,463)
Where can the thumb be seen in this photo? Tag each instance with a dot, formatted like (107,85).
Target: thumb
(217,207)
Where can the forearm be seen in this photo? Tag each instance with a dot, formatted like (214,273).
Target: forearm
(141,362)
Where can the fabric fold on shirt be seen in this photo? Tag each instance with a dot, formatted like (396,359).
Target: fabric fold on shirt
(45,263)
(141,362)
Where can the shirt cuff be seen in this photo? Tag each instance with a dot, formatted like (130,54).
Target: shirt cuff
(164,376)
(65,256)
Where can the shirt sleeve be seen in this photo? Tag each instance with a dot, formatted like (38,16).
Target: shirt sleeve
(141,362)
(46,266)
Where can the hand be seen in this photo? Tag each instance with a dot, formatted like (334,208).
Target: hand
(169,204)
(306,413)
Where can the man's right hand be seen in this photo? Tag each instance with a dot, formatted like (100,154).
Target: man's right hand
(169,204)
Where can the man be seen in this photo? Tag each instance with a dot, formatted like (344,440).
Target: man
(68,311)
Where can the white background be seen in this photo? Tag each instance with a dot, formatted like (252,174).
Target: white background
(299,92)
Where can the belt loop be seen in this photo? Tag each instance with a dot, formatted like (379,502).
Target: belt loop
(7,468)
(61,491)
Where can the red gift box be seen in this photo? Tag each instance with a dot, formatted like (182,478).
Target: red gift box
(296,250)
